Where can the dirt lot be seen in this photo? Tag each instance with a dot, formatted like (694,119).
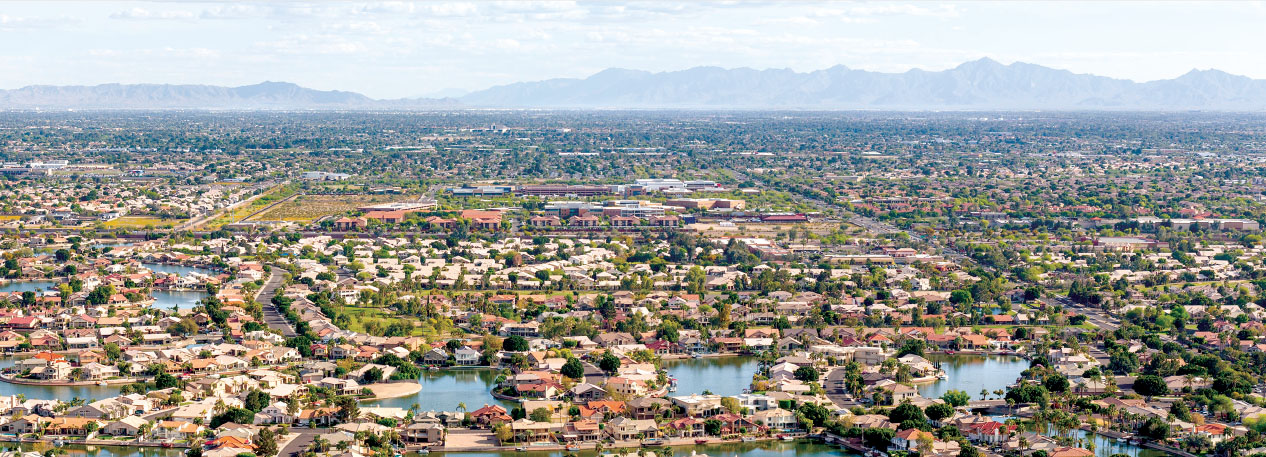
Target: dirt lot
(308,208)
(458,440)
(758,229)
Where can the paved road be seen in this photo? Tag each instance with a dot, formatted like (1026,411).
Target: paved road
(835,390)
(1094,315)
(264,297)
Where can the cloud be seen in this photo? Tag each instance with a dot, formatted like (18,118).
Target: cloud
(235,12)
(20,22)
(165,52)
(314,44)
(144,14)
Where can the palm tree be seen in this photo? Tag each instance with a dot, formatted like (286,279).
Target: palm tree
(984,394)
(461,406)
(319,445)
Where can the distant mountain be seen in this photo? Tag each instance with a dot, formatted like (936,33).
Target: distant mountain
(982,84)
(978,85)
(262,96)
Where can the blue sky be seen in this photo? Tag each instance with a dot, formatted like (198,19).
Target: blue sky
(400,49)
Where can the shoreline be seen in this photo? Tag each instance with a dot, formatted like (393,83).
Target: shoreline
(674,442)
(37,382)
(389,390)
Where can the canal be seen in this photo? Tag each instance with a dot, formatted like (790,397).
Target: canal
(971,372)
(725,376)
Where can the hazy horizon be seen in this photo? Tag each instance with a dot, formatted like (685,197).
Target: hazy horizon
(399,49)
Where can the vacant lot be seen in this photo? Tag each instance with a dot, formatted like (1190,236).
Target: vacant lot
(308,208)
(759,229)
(138,222)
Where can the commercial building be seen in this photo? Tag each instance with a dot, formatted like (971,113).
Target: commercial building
(563,191)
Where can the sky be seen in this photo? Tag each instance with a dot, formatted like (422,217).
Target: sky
(402,49)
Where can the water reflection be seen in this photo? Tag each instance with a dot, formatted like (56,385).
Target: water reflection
(799,448)
(723,376)
(442,390)
(79,450)
(970,373)
(24,286)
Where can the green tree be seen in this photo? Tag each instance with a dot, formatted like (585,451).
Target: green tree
(235,415)
(573,369)
(515,344)
(906,412)
(266,443)
(1150,385)
(938,411)
(541,415)
(956,398)
(1055,382)
(609,362)
(807,373)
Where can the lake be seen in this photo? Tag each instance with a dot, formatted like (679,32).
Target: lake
(23,286)
(79,450)
(162,268)
(1105,447)
(970,373)
(725,376)
(180,299)
(443,389)
(46,392)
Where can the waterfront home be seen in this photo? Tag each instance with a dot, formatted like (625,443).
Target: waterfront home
(649,407)
(21,425)
(466,356)
(776,419)
(756,402)
(490,415)
(624,428)
(176,430)
(687,427)
(127,426)
(621,385)
(697,405)
(582,430)
(423,433)
(908,439)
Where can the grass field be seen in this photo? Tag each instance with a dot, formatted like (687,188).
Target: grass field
(359,317)
(135,222)
(308,208)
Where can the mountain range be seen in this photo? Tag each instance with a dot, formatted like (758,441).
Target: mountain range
(977,85)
